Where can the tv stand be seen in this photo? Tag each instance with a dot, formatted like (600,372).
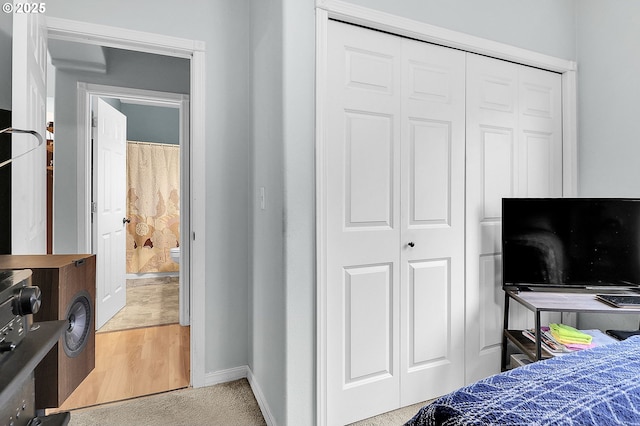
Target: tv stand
(540,301)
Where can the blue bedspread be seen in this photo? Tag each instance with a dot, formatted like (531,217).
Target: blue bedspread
(599,386)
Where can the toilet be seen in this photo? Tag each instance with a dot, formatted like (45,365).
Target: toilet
(175,254)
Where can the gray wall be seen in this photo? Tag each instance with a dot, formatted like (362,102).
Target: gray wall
(147,123)
(267,290)
(6,27)
(223,25)
(545,26)
(609,90)
(124,69)
(608,111)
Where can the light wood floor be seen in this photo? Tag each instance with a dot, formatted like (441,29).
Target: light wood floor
(131,363)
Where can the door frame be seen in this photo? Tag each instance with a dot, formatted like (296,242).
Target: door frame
(381,21)
(86,92)
(194,50)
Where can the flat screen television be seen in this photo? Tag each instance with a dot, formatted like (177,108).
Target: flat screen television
(577,243)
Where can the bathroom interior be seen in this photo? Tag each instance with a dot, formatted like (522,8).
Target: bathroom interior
(153,214)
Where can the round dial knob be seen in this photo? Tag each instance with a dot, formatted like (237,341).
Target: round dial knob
(27,301)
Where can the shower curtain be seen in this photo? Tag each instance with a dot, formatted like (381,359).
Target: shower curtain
(153,206)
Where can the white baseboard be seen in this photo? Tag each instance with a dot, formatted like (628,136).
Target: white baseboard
(262,402)
(242,372)
(224,376)
(151,275)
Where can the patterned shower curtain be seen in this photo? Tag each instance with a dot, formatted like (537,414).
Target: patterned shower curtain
(153,205)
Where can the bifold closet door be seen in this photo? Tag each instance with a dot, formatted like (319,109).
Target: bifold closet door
(393,178)
(362,175)
(432,226)
(514,149)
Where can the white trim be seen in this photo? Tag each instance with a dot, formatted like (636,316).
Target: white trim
(83,215)
(185,205)
(322,21)
(223,376)
(260,398)
(349,13)
(151,275)
(243,372)
(121,38)
(393,24)
(198,210)
(569,134)
(194,50)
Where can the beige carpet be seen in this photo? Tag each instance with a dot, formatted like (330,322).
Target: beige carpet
(230,403)
(150,302)
(392,418)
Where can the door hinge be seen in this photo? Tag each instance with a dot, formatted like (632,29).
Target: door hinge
(94,124)
(94,207)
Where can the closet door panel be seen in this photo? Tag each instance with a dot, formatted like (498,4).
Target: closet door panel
(432,226)
(429,295)
(540,132)
(514,149)
(362,184)
(430,173)
(492,157)
(368,311)
(369,170)
(541,141)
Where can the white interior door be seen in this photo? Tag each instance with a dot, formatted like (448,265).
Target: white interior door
(363,222)
(394,181)
(514,149)
(28,173)
(109,198)
(432,229)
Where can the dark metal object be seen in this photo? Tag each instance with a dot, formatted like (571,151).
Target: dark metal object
(22,346)
(14,321)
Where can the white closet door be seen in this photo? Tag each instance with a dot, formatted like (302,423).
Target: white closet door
(432,269)
(29,173)
(362,184)
(514,149)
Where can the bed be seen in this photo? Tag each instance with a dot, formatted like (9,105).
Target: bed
(599,386)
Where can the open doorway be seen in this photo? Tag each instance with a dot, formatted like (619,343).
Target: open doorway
(107,382)
(153,213)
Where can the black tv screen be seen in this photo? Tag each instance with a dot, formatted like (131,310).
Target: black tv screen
(570,242)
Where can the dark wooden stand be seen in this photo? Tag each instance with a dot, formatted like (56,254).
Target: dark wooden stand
(60,278)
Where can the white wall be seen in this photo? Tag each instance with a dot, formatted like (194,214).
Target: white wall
(125,69)
(223,26)
(6,28)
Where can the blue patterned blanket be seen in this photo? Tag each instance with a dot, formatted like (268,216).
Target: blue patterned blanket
(599,386)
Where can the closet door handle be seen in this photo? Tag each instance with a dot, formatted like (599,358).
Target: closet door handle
(411,244)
